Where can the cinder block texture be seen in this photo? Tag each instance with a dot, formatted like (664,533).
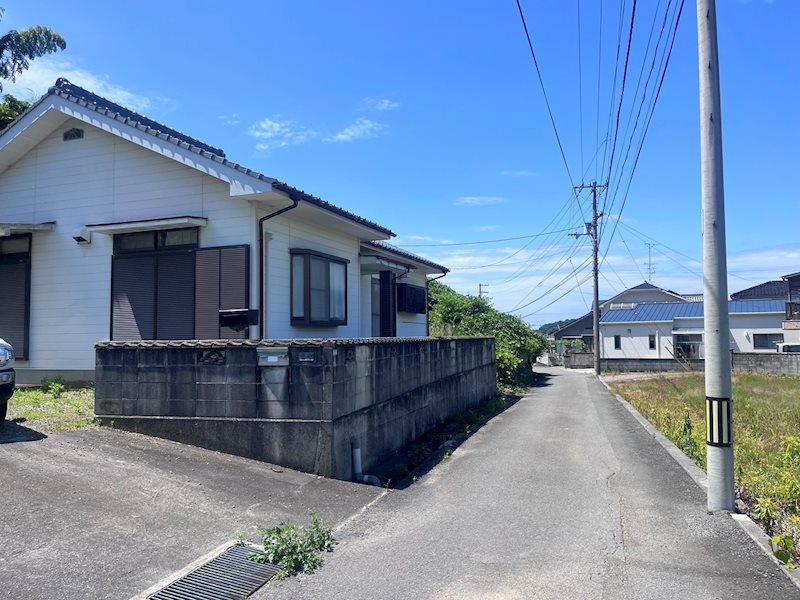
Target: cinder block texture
(382,392)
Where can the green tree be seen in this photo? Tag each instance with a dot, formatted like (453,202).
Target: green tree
(516,344)
(18,48)
(10,109)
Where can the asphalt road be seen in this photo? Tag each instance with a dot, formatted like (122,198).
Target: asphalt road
(100,513)
(564,495)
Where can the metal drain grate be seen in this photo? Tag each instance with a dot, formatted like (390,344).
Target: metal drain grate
(229,576)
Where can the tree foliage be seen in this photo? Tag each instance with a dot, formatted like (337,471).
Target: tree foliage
(18,48)
(10,109)
(516,344)
(549,328)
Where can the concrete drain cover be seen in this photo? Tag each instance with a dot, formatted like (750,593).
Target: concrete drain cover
(229,576)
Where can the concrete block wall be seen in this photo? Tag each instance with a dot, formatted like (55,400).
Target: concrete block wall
(301,412)
(774,364)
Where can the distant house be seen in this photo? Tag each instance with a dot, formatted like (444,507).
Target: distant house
(666,330)
(582,329)
(771,290)
(116,227)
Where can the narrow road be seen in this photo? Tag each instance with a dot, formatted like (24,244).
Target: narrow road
(562,496)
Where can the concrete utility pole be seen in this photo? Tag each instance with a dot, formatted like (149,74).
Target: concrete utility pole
(480,289)
(593,231)
(719,406)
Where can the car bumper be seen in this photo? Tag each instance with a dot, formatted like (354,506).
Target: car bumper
(6,384)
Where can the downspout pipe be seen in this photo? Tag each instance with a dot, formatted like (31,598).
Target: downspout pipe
(261,221)
(358,472)
(427,295)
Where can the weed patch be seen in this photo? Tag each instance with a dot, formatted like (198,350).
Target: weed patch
(766,442)
(53,407)
(295,548)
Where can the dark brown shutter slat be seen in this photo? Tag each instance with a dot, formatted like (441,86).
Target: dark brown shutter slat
(175,313)
(133,298)
(13,300)
(234,278)
(206,315)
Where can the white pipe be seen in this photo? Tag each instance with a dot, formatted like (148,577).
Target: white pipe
(358,473)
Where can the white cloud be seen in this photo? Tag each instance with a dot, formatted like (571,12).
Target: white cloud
(379,104)
(43,73)
(519,173)
(478,200)
(231,119)
(276,133)
(361,129)
(486,228)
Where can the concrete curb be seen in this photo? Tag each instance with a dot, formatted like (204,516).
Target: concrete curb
(699,477)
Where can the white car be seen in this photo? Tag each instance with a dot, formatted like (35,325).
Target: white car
(7,377)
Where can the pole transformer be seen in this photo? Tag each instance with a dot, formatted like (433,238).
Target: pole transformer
(716,326)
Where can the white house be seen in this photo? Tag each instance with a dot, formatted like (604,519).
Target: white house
(113,226)
(668,329)
(581,328)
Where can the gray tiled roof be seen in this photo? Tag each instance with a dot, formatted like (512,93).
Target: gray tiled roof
(84,98)
(650,312)
(404,253)
(770,289)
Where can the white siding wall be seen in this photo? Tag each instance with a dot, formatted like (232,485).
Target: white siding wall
(634,340)
(287,232)
(641,296)
(412,324)
(743,327)
(99,179)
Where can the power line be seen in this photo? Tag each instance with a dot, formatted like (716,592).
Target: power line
(622,90)
(544,92)
(511,239)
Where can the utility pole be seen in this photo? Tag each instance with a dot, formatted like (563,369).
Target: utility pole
(716,325)
(591,229)
(480,289)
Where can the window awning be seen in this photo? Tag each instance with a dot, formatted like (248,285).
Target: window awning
(146,225)
(371,265)
(7,229)
(680,330)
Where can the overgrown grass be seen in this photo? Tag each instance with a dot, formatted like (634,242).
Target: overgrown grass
(766,437)
(53,407)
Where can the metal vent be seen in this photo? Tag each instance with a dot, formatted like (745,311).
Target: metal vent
(229,576)
(73,134)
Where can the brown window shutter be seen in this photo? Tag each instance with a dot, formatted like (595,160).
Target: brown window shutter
(234,288)
(176,289)
(14,303)
(133,298)
(206,314)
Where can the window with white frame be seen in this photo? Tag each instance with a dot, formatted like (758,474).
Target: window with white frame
(617,342)
(319,289)
(651,340)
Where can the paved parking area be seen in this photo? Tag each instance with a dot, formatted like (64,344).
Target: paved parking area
(101,513)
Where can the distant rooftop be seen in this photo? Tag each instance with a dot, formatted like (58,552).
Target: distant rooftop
(651,312)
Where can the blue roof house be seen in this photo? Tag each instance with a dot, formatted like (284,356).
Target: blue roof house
(668,329)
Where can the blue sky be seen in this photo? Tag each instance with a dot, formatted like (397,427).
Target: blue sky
(427,117)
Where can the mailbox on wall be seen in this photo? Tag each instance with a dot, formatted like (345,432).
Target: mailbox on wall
(238,319)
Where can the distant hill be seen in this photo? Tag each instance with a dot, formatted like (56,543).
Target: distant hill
(549,328)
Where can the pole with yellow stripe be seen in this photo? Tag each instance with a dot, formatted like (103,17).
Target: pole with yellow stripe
(716,322)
